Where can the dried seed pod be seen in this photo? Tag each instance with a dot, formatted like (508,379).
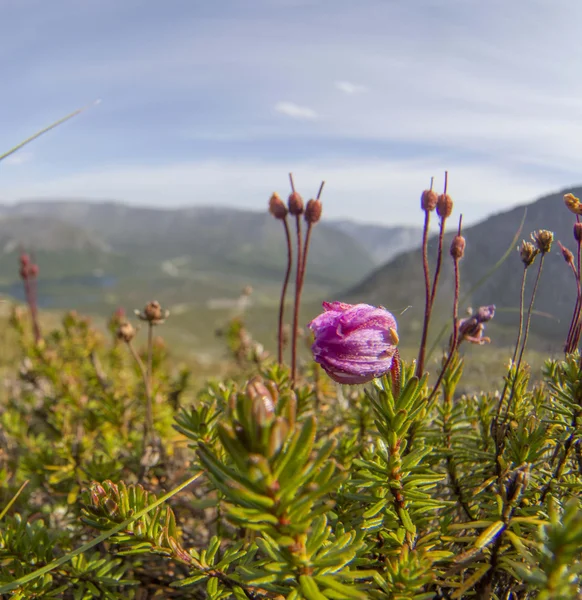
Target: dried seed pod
(313,211)
(126,332)
(277,207)
(578,231)
(458,247)
(428,200)
(295,203)
(527,252)
(543,240)
(444,206)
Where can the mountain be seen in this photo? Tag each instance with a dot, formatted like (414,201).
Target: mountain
(177,255)
(399,283)
(382,242)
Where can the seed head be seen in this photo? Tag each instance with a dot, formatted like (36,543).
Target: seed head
(578,231)
(277,207)
(295,203)
(153,313)
(573,204)
(313,211)
(428,200)
(458,247)
(444,206)
(527,252)
(568,256)
(543,240)
(126,332)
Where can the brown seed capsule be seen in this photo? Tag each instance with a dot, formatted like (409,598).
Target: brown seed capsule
(277,207)
(153,313)
(578,232)
(295,204)
(568,256)
(428,200)
(313,211)
(126,332)
(543,239)
(527,253)
(444,206)
(458,247)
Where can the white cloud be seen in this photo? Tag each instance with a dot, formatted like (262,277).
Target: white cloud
(373,191)
(18,158)
(290,109)
(347,87)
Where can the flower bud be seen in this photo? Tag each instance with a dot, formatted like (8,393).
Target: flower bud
(277,207)
(24,259)
(126,332)
(313,211)
(578,232)
(444,206)
(527,253)
(543,240)
(33,270)
(458,247)
(354,343)
(568,256)
(153,313)
(295,204)
(428,200)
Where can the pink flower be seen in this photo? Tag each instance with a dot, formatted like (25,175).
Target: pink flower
(354,343)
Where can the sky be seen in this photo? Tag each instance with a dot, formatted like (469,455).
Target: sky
(215,102)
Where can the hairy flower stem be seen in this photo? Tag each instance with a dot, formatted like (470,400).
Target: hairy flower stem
(297,300)
(574,332)
(517,341)
(427,303)
(525,336)
(439,261)
(149,421)
(455,336)
(284,291)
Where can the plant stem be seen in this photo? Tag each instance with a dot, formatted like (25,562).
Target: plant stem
(427,288)
(525,335)
(146,381)
(437,271)
(284,291)
(297,300)
(515,350)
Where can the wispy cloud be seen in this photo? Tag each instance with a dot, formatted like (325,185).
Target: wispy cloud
(18,158)
(281,83)
(347,87)
(290,109)
(371,190)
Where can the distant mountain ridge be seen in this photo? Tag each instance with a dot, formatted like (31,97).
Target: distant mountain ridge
(195,252)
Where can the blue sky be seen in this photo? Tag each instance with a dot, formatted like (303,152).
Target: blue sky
(214,102)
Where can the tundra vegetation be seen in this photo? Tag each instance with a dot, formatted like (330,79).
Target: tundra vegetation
(352,475)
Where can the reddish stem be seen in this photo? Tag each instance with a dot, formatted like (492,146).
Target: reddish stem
(297,298)
(427,287)
(284,290)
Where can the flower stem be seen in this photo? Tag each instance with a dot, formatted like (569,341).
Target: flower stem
(517,341)
(284,291)
(427,305)
(297,300)
(525,335)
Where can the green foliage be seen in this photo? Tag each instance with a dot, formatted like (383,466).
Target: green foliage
(396,491)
